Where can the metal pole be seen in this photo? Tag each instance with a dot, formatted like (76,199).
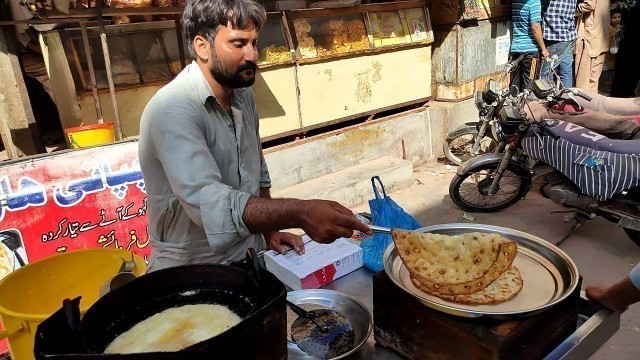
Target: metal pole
(107,64)
(92,74)
(180,42)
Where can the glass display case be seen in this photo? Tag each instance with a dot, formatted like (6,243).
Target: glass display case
(322,33)
(330,35)
(418,24)
(272,44)
(398,27)
(387,28)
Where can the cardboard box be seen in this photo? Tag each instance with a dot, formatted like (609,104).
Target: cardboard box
(318,266)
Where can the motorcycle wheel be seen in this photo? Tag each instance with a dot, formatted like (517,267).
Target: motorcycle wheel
(634,235)
(469,191)
(457,148)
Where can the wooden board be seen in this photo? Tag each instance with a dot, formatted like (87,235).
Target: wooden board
(407,326)
(62,83)
(346,87)
(277,101)
(455,11)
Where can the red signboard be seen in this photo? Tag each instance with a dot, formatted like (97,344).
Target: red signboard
(74,200)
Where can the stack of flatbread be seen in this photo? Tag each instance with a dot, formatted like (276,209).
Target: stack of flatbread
(472,268)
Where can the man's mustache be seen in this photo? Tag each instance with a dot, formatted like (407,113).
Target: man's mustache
(249,65)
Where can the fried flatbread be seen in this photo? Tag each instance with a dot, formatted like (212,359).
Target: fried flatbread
(454,265)
(505,288)
(6,261)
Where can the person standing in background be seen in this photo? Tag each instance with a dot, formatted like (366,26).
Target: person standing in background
(559,32)
(593,42)
(615,31)
(527,38)
(627,73)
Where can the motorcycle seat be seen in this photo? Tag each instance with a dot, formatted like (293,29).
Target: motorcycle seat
(579,135)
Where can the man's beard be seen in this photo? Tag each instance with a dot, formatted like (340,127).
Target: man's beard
(227,76)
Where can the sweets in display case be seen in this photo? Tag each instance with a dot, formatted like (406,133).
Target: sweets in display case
(306,44)
(274,54)
(273,48)
(331,35)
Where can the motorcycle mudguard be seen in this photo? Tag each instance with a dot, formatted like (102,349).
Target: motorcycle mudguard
(461,130)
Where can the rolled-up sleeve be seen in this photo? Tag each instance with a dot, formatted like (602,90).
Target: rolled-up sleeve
(535,9)
(194,175)
(634,276)
(265,178)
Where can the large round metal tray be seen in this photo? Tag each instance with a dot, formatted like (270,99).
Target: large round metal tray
(348,306)
(549,275)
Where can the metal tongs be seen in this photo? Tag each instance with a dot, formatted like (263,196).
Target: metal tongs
(380,229)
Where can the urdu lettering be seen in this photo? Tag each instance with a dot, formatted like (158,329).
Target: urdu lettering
(30,193)
(101,177)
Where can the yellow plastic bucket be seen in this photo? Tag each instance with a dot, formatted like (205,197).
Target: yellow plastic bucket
(90,135)
(32,293)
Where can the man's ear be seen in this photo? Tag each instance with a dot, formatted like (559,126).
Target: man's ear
(202,47)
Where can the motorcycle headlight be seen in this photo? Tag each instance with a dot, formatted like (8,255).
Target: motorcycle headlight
(477,99)
(491,91)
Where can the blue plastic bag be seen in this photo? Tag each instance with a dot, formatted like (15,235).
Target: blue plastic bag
(384,212)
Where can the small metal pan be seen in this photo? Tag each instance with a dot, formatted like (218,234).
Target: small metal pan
(352,309)
(549,275)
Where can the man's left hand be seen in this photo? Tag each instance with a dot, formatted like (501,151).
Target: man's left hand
(602,295)
(277,240)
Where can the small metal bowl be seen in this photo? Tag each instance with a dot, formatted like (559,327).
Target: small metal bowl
(348,306)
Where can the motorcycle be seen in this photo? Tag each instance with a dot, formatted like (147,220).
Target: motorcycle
(479,137)
(580,169)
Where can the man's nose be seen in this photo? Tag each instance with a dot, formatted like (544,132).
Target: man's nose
(251,53)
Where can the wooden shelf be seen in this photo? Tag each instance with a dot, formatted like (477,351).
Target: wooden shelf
(356,53)
(265,66)
(123,28)
(95,12)
(89,93)
(54,16)
(392,6)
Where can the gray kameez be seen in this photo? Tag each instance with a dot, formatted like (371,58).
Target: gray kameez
(200,167)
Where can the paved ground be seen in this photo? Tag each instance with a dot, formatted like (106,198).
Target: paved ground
(600,249)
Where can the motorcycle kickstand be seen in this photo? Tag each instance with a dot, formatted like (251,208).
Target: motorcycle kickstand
(579,218)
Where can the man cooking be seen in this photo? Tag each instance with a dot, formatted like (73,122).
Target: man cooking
(206,179)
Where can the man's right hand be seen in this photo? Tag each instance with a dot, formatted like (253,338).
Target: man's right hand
(544,53)
(325,221)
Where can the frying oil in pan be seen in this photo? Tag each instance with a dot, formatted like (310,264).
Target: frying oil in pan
(187,317)
(175,329)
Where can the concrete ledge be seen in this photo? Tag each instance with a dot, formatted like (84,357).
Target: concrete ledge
(416,136)
(352,186)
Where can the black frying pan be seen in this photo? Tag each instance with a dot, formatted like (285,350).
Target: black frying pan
(121,309)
